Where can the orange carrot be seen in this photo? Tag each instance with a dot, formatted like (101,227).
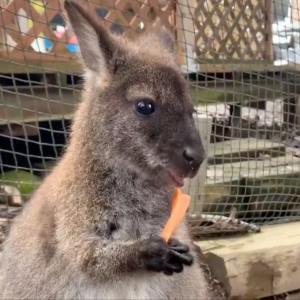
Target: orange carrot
(175,198)
(180,204)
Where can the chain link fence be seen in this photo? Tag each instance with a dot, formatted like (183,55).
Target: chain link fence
(241,58)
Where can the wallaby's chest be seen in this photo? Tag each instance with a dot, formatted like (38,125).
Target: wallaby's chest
(130,216)
(137,227)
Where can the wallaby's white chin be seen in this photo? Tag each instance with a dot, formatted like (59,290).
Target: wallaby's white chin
(177,180)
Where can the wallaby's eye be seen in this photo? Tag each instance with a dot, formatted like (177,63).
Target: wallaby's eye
(145,107)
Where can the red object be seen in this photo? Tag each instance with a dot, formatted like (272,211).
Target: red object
(58,34)
(73,40)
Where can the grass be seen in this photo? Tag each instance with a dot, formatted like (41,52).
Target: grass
(25,182)
(239,94)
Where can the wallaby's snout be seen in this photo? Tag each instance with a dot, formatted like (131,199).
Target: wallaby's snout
(187,157)
(193,156)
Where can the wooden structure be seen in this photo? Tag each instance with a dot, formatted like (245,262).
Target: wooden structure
(295,11)
(226,33)
(213,35)
(257,265)
(259,178)
(232,30)
(27,24)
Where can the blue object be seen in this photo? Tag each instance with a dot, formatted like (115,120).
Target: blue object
(47,43)
(72,47)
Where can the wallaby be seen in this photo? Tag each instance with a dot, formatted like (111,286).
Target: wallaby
(92,229)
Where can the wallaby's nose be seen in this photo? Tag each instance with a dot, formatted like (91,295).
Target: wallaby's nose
(193,157)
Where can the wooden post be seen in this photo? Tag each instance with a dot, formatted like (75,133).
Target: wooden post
(295,11)
(297,123)
(195,187)
(185,27)
(269,33)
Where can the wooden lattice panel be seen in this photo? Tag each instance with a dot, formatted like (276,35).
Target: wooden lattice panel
(231,29)
(35,30)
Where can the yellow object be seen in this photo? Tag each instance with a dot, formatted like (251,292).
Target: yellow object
(29,24)
(39,6)
(180,204)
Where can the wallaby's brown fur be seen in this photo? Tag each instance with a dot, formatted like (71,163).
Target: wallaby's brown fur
(91,231)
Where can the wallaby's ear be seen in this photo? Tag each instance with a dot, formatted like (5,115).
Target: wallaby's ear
(96,43)
(167,40)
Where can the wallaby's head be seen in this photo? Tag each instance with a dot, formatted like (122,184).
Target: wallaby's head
(138,108)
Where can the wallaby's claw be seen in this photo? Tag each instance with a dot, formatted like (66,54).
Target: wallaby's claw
(157,255)
(173,267)
(180,251)
(178,247)
(185,258)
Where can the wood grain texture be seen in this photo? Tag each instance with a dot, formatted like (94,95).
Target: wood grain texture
(257,265)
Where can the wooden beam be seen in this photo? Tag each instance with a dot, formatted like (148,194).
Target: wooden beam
(295,14)
(22,106)
(257,265)
(242,150)
(39,67)
(185,27)
(52,63)
(259,169)
(251,186)
(269,34)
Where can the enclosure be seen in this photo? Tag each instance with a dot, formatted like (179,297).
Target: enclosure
(242,61)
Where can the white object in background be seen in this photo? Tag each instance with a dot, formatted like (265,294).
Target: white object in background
(22,20)
(195,187)
(280,62)
(60,28)
(191,65)
(38,45)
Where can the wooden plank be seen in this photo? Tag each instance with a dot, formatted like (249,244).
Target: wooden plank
(266,187)
(243,149)
(269,34)
(243,66)
(21,129)
(39,67)
(51,63)
(21,55)
(295,16)
(297,110)
(267,168)
(232,172)
(31,105)
(179,37)
(257,265)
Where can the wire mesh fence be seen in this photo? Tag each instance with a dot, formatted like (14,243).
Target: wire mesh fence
(241,58)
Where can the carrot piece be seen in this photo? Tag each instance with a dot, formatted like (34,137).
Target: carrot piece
(180,204)
(175,198)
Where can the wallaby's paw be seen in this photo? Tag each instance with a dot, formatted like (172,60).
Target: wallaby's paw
(153,253)
(182,250)
(175,245)
(157,255)
(179,252)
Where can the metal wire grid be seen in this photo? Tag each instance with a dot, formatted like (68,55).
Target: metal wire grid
(250,115)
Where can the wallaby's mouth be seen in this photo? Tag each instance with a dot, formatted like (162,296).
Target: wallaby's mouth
(176,179)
